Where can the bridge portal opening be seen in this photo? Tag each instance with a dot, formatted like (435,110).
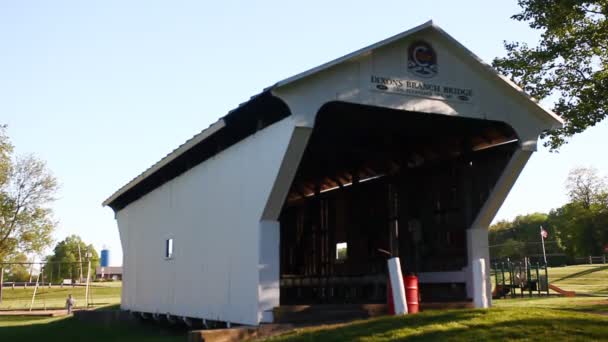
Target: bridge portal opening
(375,182)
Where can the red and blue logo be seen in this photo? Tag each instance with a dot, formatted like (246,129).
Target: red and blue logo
(422,59)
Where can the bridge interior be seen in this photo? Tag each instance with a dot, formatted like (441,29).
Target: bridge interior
(377,182)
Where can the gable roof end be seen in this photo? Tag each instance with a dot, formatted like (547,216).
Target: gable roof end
(241,112)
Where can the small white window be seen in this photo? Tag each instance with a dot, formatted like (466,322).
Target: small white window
(341,251)
(169,248)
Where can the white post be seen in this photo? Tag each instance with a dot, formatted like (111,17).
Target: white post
(79,263)
(397,287)
(86,294)
(31,270)
(35,290)
(542,241)
(477,246)
(480,296)
(477,234)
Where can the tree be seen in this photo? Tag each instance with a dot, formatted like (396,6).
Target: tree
(510,248)
(26,190)
(17,272)
(518,238)
(576,229)
(586,187)
(582,222)
(570,61)
(580,231)
(66,252)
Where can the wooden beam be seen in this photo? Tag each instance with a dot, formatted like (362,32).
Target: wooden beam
(337,181)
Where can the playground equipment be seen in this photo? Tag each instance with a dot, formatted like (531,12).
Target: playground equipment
(510,276)
(561,291)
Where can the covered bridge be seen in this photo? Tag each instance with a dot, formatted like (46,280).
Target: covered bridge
(408,146)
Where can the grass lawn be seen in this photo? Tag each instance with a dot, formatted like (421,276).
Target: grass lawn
(581,304)
(582,318)
(21,328)
(497,324)
(54,298)
(583,279)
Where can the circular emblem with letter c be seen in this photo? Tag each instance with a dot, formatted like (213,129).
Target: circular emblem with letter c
(422,59)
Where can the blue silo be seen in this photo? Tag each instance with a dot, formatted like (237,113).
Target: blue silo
(105,258)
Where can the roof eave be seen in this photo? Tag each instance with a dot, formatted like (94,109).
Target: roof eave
(556,120)
(354,54)
(215,127)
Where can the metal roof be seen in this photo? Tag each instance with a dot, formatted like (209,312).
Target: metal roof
(168,158)
(220,124)
(182,149)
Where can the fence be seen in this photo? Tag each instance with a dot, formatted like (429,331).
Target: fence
(591,260)
(43,272)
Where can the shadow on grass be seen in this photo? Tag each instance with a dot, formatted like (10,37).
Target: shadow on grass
(470,325)
(70,329)
(385,326)
(112,307)
(563,329)
(595,307)
(582,273)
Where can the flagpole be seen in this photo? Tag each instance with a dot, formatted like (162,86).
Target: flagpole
(542,240)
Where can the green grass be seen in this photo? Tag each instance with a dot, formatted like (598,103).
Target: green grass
(582,304)
(583,279)
(22,328)
(54,298)
(497,324)
(27,328)
(582,318)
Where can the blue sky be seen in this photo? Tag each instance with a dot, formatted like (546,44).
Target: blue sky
(102,90)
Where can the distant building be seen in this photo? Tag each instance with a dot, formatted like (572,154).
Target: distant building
(407,147)
(110,272)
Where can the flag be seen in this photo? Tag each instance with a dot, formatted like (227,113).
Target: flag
(543,233)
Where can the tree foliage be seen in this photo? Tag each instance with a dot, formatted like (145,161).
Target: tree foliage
(577,229)
(518,238)
(17,272)
(585,186)
(26,190)
(584,221)
(66,261)
(570,61)
(581,230)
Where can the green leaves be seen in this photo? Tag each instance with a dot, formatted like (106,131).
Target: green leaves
(67,251)
(570,62)
(577,229)
(517,238)
(26,190)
